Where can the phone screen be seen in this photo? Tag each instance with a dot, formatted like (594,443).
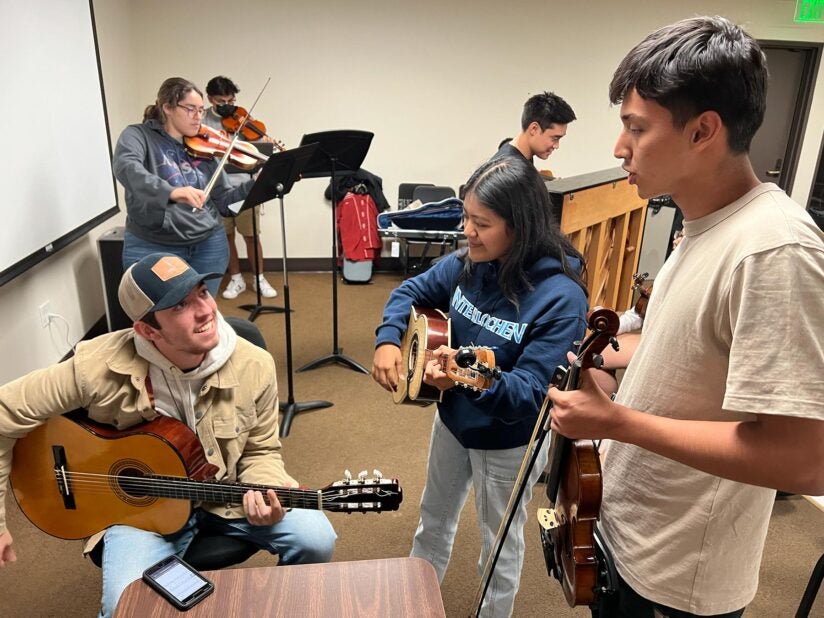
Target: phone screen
(178,580)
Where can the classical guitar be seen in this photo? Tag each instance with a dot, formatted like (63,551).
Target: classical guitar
(428,329)
(73,477)
(574,485)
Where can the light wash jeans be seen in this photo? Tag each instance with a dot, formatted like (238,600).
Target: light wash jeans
(210,255)
(452,470)
(301,537)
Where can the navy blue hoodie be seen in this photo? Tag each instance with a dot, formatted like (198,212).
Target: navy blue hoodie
(529,341)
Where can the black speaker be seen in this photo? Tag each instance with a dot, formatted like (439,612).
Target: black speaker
(110,247)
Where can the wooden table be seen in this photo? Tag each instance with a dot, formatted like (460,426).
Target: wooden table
(392,587)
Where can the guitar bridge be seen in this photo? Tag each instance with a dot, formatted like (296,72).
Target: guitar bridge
(547,519)
(61,476)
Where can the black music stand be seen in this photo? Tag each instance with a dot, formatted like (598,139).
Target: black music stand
(258,308)
(339,153)
(276,180)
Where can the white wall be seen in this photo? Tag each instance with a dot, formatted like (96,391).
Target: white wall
(439,83)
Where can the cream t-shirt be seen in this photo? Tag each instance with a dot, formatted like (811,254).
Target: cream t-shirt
(734,327)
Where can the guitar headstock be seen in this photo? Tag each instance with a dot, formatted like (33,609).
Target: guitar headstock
(472,367)
(362,495)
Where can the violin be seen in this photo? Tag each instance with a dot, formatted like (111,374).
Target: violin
(644,293)
(574,485)
(210,143)
(252,130)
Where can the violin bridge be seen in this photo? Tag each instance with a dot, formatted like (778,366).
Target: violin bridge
(547,519)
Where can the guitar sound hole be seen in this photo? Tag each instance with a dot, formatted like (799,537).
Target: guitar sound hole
(413,353)
(128,482)
(131,482)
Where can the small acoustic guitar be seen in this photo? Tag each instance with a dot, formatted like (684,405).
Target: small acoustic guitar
(428,329)
(73,478)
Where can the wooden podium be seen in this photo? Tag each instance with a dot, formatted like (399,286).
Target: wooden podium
(603,216)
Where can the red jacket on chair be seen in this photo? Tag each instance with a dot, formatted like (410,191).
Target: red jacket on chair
(357,224)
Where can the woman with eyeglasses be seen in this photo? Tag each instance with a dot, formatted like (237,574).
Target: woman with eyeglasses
(166,207)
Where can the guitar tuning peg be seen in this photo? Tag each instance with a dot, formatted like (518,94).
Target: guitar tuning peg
(362,475)
(347,475)
(377,474)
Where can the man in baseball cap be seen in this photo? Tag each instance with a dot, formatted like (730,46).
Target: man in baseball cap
(182,360)
(157,282)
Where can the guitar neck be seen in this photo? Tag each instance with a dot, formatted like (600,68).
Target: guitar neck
(220,493)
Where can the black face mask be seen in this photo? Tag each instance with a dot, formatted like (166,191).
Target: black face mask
(226,110)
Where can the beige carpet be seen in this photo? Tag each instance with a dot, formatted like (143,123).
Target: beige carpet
(364,431)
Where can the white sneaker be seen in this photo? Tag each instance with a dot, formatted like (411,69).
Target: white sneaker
(235,287)
(266,290)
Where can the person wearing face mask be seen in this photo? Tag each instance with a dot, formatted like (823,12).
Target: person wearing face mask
(166,207)
(517,289)
(221,93)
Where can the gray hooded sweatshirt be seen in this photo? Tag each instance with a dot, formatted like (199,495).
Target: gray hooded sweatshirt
(150,164)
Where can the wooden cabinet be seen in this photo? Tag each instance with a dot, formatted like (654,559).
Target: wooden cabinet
(603,216)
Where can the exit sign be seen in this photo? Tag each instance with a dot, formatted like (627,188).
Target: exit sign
(809,11)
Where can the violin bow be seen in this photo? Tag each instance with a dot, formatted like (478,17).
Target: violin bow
(222,163)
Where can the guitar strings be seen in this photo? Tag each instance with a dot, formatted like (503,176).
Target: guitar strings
(102,484)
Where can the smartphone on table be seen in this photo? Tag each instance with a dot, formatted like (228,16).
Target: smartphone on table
(178,582)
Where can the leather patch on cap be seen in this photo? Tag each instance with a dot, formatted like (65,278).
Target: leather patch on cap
(169,267)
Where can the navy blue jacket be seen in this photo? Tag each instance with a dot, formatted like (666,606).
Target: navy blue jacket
(528,341)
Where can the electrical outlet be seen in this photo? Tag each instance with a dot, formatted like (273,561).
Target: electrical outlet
(45,310)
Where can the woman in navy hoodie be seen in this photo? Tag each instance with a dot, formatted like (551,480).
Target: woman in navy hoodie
(517,288)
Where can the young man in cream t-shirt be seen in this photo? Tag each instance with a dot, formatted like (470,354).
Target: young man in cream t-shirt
(722,400)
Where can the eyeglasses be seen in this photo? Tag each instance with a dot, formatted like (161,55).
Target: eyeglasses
(193,111)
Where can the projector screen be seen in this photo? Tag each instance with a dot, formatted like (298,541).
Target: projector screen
(56,164)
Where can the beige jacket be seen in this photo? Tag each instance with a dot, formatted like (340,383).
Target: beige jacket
(237,408)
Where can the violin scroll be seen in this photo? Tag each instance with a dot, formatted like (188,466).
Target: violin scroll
(644,293)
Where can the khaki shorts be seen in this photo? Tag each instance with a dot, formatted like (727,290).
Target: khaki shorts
(242,223)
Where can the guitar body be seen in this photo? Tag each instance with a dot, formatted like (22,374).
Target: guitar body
(73,477)
(428,329)
(577,509)
(163,446)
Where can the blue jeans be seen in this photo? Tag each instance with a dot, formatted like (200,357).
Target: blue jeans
(210,255)
(452,470)
(301,537)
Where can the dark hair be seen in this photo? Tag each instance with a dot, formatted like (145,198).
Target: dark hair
(221,86)
(696,65)
(171,92)
(513,189)
(546,109)
(151,319)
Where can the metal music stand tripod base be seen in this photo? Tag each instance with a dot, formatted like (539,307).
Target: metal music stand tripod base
(339,152)
(276,180)
(258,308)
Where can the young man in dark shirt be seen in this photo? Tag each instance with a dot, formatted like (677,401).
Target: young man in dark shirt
(543,123)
